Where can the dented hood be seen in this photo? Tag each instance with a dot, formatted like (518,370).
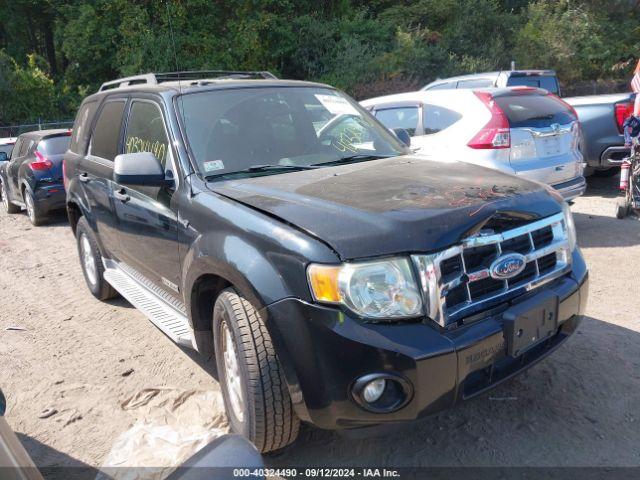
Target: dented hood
(397,205)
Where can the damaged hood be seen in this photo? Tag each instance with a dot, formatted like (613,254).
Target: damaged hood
(397,205)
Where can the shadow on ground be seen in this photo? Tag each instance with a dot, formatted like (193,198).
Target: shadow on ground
(55,465)
(572,409)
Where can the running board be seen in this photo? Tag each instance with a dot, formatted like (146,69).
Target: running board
(172,323)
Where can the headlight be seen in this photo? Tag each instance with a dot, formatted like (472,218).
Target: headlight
(569,225)
(377,289)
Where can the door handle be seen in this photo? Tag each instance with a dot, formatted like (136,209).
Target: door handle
(84,177)
(122,195)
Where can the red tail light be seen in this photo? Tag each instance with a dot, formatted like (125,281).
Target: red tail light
(42,162)
(496,133)
(623,111)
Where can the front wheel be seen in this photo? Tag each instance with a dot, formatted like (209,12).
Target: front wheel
(8,206)
(254,389)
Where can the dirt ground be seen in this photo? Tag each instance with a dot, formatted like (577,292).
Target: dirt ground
(103,367)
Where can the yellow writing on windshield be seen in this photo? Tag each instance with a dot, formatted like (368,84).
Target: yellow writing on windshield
(137,145)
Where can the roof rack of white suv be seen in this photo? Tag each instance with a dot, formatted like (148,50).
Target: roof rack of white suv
(156,78)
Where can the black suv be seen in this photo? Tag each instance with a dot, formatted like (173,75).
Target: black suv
(32,176)
(338,279)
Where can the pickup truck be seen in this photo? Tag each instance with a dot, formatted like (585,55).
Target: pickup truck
(337,279)
(601,116)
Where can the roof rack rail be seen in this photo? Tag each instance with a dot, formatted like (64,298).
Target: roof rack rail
(156,78)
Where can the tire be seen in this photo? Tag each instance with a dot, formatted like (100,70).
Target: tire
(9,207)
(36,216)
(89,252)
(622,208)
(255,392)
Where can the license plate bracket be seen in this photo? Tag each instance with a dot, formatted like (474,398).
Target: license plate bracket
(530,322)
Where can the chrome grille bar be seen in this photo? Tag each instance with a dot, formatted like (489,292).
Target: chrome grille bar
(466,295)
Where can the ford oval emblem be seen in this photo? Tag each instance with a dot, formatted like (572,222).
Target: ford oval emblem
(507,266)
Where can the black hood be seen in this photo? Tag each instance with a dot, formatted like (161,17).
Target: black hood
(397,205)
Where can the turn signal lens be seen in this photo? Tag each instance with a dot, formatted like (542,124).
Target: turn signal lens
(324,282)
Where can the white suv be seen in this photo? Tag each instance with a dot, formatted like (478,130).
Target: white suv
(519,130)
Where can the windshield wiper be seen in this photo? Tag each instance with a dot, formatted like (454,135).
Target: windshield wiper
(260,168)
(352,159)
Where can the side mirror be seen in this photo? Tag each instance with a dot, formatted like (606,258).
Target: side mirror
(402,135)
(4,157)
(139,169)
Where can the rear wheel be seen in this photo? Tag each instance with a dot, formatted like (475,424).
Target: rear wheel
(91,262)
(253,385)
(622,207)
(35,214)
(8,206)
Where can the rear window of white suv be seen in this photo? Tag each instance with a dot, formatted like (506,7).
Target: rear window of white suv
(534,110)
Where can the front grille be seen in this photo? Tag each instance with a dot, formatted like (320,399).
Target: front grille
(458,281)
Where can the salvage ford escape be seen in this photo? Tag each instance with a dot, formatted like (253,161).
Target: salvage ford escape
(338,280)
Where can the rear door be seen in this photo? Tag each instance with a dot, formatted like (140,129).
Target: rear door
(95,172)
(545,136)
(148,216)
(19,155)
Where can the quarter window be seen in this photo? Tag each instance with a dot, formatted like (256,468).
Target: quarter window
(81,127)
(437,118)
(146,131)
(401,117)
(106,134)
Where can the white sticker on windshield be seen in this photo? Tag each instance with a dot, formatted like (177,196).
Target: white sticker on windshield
(213,165)
(337,105)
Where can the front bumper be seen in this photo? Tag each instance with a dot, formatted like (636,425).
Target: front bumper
(323,351)
(572,188)
(50,197)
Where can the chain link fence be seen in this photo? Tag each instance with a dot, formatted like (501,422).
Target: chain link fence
(15,130)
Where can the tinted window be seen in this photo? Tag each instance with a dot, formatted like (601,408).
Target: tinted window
(25,147)
(229,131)
(146,132)
(404,117)
(82,127)
(438,118)
(475,83)
(542,81)
(104,142)
(6,149)
(54,145)
(535,110)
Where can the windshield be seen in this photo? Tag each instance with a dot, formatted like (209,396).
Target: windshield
(54,145)
(233,130)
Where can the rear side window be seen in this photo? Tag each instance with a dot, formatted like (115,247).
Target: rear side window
(401,117)
(104,142)
(54,145)
(548,82)
(82,127)
(534,110)
(437,118)
(146,131)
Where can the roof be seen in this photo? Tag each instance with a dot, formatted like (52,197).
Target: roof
(45,133)
(8,140)
(493,75)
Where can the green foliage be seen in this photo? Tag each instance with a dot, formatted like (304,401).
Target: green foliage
(57,52)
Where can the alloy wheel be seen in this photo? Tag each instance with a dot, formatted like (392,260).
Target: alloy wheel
(88,260)
(232,377)
(28,200)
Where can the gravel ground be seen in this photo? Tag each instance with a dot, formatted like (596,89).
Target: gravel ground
(87,360)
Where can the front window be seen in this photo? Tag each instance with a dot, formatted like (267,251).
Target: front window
(233,131)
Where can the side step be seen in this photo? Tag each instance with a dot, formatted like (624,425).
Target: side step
(173,323)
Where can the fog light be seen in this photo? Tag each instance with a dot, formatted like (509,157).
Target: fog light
(374,390)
